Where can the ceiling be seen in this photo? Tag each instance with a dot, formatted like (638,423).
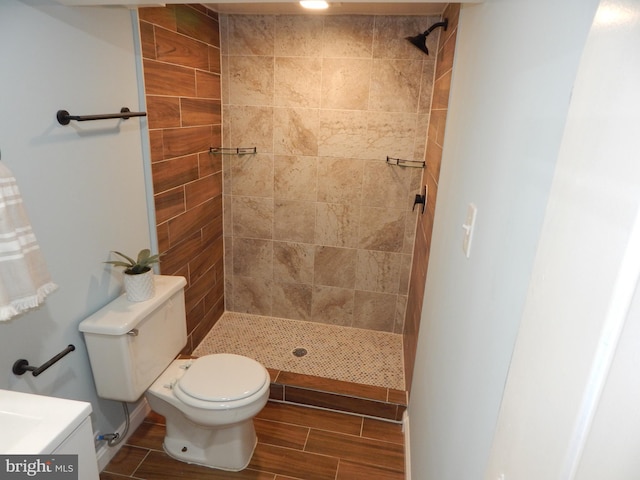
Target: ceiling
(335,8)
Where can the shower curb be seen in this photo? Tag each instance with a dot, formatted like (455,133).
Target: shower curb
(377,402)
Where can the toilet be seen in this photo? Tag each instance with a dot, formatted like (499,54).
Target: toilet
(208,402)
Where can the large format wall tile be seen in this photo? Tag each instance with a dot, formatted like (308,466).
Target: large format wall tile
(346,83)
(295,177)
(297,82)
(251,80)
(295,131)
(335,267)
(298,36)
(294,221)
(293,262)
(403,78)
(325,100)
(337,225)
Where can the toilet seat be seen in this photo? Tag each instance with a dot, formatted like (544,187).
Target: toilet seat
(222,378)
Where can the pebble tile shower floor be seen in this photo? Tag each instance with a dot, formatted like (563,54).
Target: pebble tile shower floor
(339,353)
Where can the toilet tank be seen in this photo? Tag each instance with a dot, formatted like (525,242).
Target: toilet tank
(131,343)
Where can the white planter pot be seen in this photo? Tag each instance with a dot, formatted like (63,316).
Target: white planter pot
(139,287)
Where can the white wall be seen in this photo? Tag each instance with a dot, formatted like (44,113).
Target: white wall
(583,282)
(514,69)
(82,184)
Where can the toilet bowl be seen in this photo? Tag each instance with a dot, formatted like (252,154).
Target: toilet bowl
(208,403)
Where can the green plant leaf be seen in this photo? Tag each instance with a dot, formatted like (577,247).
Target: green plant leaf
(140,265)
(131,260)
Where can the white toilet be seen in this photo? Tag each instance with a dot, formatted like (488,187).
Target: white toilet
(209,402)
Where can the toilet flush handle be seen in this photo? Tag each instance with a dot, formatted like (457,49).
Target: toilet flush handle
(133,332)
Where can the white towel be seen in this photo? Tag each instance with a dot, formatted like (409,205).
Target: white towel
(24,278)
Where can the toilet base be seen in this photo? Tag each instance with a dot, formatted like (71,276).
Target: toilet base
(225,448)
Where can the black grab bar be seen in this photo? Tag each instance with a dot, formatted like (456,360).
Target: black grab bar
(65,117)
(22,366)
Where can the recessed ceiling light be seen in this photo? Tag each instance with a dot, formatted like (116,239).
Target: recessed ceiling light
(314,4)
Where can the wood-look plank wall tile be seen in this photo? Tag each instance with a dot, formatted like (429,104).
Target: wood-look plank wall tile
(451,13)
(169,204)
(156,145)
(178,256)
(178,142)
(216,135)
(197,25)
(437,123)
(214,298)
(163,112)
(205,324)
(175,172)
(335,386)
(212,231)
(446,55)
(181,50)
(209,164)
(165,79)
(433,158)
(162,16)
(276,392)
(181,45)
(214,59)
(400,413)
(203,189)
(398,397)
(340,403)
(147,40)
(197,111)
(208,85)
(162,230)
(193,220)
(441,88)
(195,314)
(199,288)
(204,261)
(215,309)
(433,155)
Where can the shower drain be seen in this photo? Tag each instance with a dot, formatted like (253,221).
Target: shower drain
(300,352)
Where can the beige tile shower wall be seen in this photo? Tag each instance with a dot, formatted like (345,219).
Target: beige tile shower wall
(317,226)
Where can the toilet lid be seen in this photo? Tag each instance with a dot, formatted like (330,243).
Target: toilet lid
(223,377)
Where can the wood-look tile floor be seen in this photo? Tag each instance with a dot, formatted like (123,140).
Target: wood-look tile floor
(293,443)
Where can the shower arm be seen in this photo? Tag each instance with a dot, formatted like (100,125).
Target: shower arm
(444,23)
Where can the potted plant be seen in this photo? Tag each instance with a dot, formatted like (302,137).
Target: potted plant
(138,275)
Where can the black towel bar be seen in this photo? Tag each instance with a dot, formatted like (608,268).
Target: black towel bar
(22,366)
(65,117)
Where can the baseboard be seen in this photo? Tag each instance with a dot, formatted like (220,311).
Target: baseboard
(407,446)
(104,452)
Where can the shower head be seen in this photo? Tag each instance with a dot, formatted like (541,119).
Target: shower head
(420,40)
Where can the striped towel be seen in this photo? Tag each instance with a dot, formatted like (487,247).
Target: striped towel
(24,279)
